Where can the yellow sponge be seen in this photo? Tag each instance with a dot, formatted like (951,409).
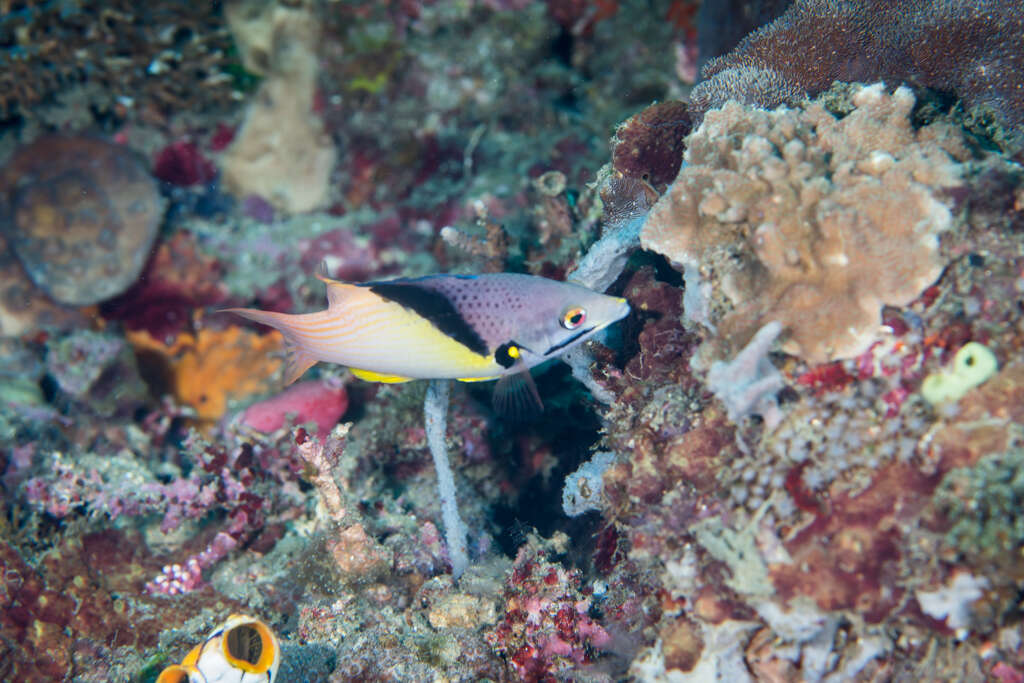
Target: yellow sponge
(972,365)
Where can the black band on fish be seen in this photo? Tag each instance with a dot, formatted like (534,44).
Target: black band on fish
(436,308)
(570,340)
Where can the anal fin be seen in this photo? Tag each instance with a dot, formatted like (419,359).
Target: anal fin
(371,376)
(298,361)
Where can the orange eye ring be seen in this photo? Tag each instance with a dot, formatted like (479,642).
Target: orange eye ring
(573,318)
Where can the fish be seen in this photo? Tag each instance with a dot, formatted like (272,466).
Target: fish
(242,649)
(472,328)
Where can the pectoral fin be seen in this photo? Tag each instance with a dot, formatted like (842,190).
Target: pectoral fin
(516,397)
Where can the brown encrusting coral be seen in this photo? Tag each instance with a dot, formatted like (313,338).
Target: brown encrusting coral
(81,214)
(649,145)
(960,46)
(810,220)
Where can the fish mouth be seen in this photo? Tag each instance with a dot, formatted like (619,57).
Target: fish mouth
(624,309)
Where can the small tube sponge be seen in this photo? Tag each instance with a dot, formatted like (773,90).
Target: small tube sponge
(435,412)
(972,365)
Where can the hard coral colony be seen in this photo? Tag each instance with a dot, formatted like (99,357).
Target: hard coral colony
(795,455)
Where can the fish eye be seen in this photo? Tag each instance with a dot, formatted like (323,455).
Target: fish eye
(573,318)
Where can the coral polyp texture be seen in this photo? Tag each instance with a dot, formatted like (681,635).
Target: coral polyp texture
(811,220)
(965,47)
(81,214)
(160,58)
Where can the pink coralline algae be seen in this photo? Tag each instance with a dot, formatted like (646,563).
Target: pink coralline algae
(253,486)
(177,579)
(961,46)
(321,402)
(547,627)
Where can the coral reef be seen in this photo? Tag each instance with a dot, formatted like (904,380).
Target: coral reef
(797,458)
(810,220)
(96,372)
(178,280)
(800,532)
(320,402)
(649,146)
(81,214)
(545,626)
(958,46)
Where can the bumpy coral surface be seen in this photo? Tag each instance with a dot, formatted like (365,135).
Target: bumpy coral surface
(969,48)
(545,628)
(810,220)
(81,214)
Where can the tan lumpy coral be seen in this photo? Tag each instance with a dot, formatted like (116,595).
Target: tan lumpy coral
(811,220)
(282,152)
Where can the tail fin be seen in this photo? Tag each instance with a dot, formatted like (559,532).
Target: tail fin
(298,359)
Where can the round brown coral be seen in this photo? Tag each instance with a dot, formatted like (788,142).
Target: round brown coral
(81,214)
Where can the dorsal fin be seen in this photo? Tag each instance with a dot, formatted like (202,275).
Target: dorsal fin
(337,291)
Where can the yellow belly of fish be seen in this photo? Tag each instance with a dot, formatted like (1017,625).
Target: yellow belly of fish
(384,342)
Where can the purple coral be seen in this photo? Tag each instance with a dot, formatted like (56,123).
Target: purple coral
(253,485)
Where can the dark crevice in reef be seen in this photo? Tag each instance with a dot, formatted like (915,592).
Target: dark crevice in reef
(567,430)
